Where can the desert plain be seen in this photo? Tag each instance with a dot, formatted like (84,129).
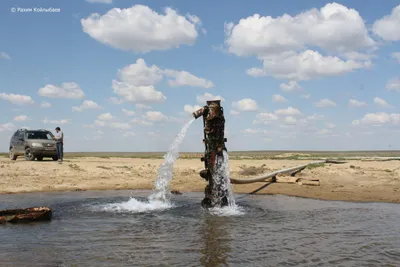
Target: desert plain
(365,177)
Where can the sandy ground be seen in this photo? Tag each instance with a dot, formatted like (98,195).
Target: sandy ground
(353,181)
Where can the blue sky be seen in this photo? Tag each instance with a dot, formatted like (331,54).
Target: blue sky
(293,75)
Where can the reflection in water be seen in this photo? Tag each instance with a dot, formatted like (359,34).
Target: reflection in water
(216,244)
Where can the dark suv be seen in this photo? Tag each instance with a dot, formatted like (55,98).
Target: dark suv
(33,144)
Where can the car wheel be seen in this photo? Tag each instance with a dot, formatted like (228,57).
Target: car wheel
(29,155)
(12,154)
(39,158)
(55,158)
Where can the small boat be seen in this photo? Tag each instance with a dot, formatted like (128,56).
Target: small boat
(25,215)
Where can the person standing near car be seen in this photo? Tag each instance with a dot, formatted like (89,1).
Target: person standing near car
(59,138)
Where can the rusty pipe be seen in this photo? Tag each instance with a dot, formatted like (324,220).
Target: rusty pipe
(198,113)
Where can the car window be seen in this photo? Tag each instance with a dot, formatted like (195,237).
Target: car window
(38,135)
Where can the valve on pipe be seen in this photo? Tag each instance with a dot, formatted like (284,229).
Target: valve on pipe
(216,192)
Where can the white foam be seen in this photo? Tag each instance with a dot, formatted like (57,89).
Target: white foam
(231,210)
(135,206)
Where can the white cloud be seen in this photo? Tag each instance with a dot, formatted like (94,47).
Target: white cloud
(324,132)
(190,109)
(396,55)
(388,27)
(140,29)
(63,121)
(246,104)
(353,103)
(234,112)
(330,125)
(69,90)
(393,84)
(378,118)
(325,103)
(129,113)
(100,1)
(139,74)
(135,94)
(88,126)
(142,106)
(184,78)
(290,86)
(7,127)
(381,102)
(17,99)
(202,99)
(315,117)
(278,98)
(45,104)
(334,28)
(4,55)
(290,111)
(155,116)
(21,118)
(120,125)
(87,104)
(265,118)
(289,120)
(129,134)
(105,117)
(115,100)
(306,65)
(100,123)
(141,122)
(306,96)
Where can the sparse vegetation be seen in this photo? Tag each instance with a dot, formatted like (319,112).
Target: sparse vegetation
(313,166)
(75,167)
(253,170)
(104,167)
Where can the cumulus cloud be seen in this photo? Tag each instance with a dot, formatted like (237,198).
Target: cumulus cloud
(246,104)
(378,118)
(306,96)
(16,99)
(290,111)
(381,102)
(388,27)
(334,28)
(155,116)
(184,78)
(7,127)
(45,104)
(278,98)
(105,117)
(265,118)
(142,106)
(140,29)
(120,125)
(190,109)
(393,84)
(4,55)
(353,103)
(69,90)
(290,120)
(141,122)
(234,112)
(290,86)
(129,113)
(306,65)
(202,99)
(330,125)
(60,122)
(136,82)
(129,134)
(325,103)
(87,104)
(21,118)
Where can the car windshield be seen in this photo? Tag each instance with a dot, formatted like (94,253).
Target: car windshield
(39,135)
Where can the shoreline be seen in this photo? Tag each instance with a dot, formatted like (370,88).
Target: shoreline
(354,181)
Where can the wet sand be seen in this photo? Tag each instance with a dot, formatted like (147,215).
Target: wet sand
(365,181)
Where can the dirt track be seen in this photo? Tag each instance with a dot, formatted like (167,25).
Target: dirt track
(353,181)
